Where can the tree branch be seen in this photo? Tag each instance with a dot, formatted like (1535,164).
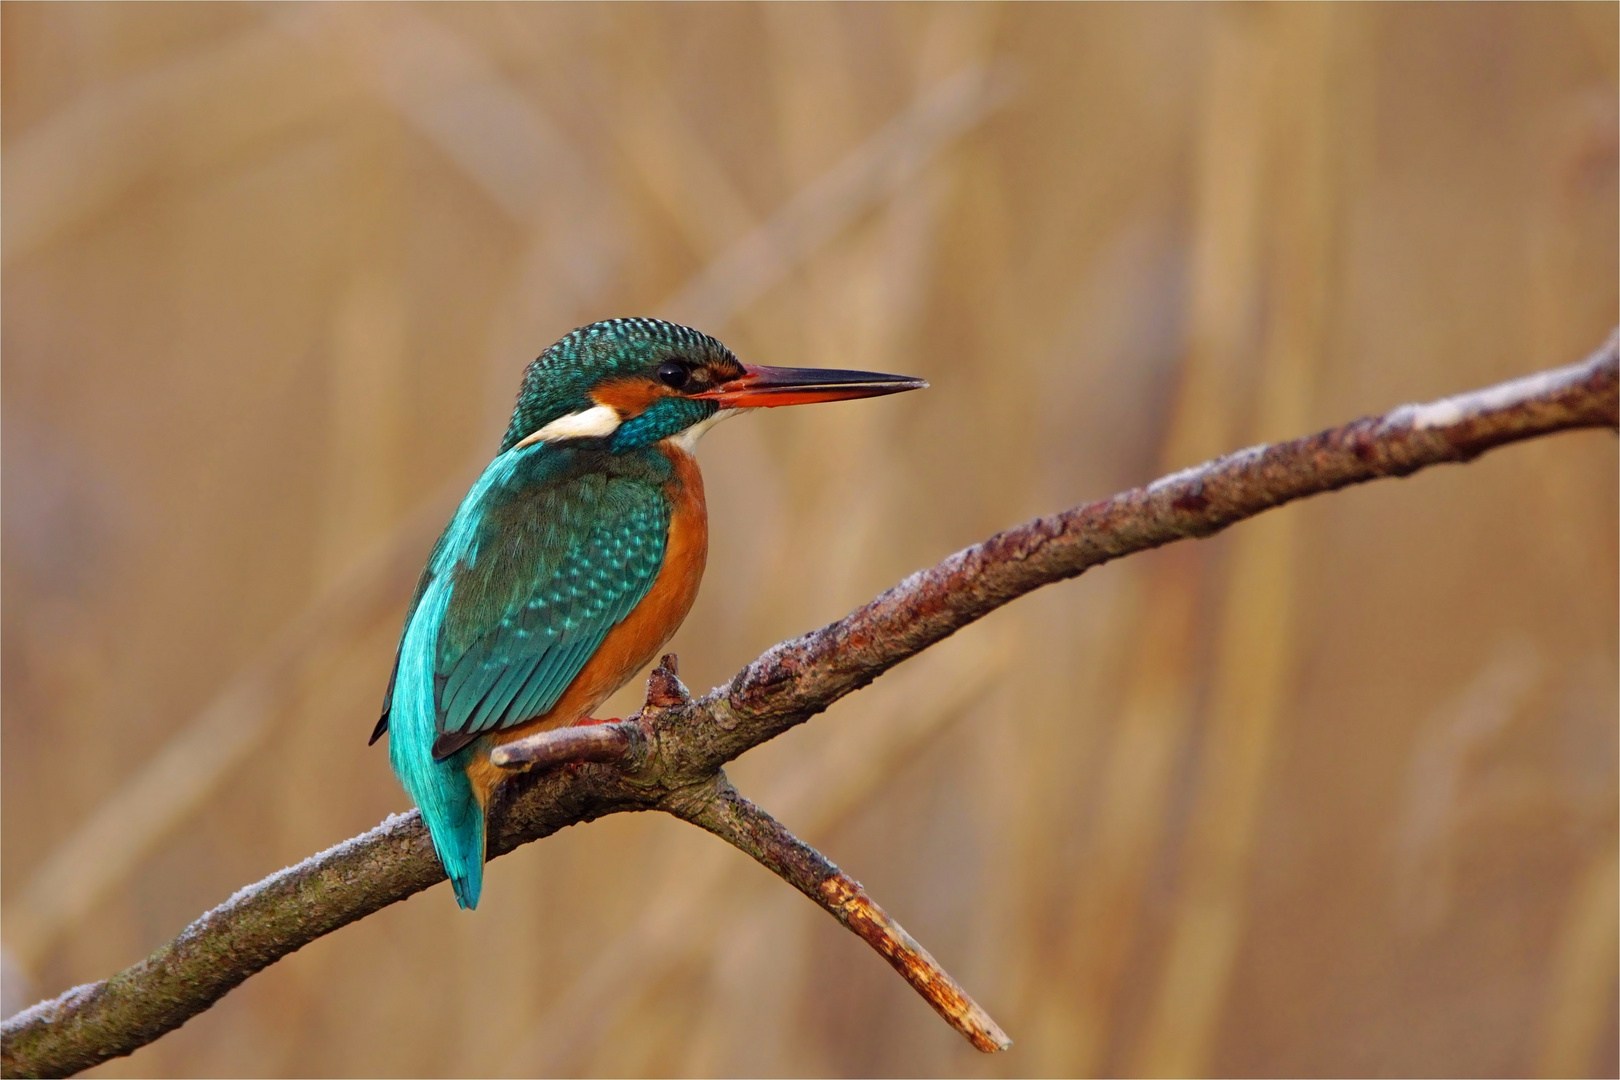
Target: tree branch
(684,745)
(717,807)
(722,811)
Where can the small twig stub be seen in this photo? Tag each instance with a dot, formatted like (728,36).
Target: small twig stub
(585,742)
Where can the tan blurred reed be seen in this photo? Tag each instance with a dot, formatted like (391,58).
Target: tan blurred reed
(1290,801)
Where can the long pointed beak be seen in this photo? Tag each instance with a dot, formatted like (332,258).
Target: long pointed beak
(765,387)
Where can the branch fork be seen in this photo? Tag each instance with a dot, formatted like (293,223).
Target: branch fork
(714,805)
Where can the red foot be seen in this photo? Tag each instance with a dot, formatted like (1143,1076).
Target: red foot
(587,720)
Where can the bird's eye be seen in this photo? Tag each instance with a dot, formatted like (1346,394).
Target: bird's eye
(673,375)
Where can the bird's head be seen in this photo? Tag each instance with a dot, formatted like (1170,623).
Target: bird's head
(633,382)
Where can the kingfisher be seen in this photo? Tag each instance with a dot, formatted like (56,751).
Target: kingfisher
(572,560)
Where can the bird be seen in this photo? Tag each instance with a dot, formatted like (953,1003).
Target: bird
(571,561)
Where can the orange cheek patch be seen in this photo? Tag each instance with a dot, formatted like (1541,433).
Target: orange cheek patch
(630,397)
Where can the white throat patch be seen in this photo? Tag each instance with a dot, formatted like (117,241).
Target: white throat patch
(591,423)
(687,440)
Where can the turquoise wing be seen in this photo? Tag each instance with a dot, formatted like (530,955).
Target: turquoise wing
(545,555)
(553,569)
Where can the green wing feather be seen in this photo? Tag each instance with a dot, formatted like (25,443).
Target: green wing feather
(555,567)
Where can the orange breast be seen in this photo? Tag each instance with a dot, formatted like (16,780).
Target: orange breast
(631,644)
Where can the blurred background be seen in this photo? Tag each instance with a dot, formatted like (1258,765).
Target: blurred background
(1331,794)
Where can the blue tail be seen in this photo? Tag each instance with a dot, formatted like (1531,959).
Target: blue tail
(450,809)
(453,816)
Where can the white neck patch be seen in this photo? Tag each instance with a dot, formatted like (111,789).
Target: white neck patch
(592,423)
